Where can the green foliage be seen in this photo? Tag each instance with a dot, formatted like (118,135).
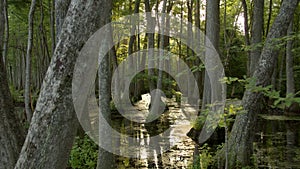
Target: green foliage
(199,122)
(17,95)
(279,102)
(250,84)
(113,106)
(84,153)
(206,157)
(177,96)
(125,163)
(204,160)
(229,80)
(229,112)
(199,68)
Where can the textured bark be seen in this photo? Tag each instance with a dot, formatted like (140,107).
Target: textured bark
(105,159)
(150,26)
(54,123)
(6,34)
(161,47)
(240,141)
(133,66)
(52,24)
(290,81)
(133,29)
(280,72)
(213,34)
(256,33)
(190,53)
(197,62)
(61,9)
(11,134)
(2,28)
(269,16)
(246,26)
(246,30)
(28,62)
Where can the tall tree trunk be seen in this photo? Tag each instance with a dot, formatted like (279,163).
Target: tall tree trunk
(132,39)
(61,9)
(290,82)
(28,62)
(6,34)
(190,53)
(54,123)
(161,46)
(150,26)
(256,33)
(280,72)
(269,16)
(52,25)
(246,29)
(11,134)
(213,34)
(45,55)
(105,158)
(275,73)
(240,141)
(133,29)
(198,74)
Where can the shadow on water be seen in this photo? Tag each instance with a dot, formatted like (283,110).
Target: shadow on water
(277,142)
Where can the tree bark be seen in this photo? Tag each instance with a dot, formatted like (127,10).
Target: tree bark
(61,9)
(256,34)
(161,47)
(198,74)
(190,53)
(28,62)
(269,16)
(11,133)
(105,158)
(54,123)
(240,141)
(290,81)
(6,34)
(52,24)
(132,39)
(212,31)
(150,26)
(280,71)
(247,37)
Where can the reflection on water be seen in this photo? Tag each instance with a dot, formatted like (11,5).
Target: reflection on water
(173,149)
(277,143)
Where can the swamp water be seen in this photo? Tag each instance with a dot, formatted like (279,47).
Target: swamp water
(276,144)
